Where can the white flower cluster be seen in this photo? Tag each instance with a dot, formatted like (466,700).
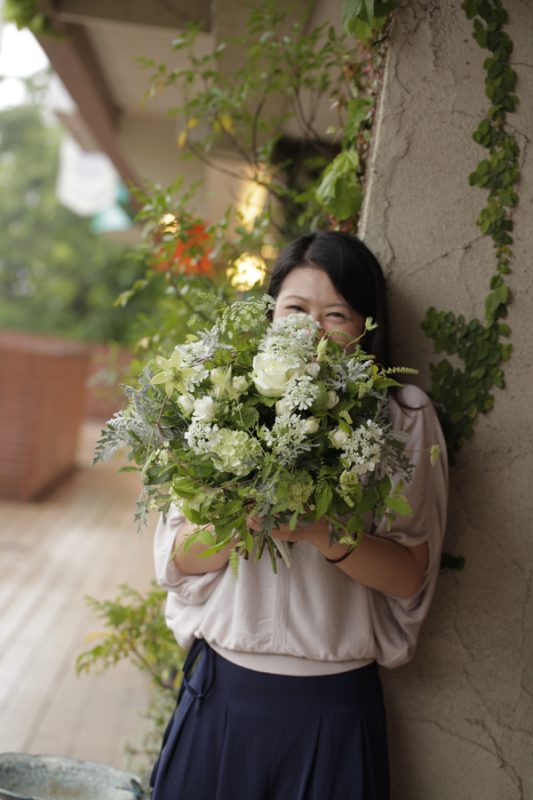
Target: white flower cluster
(245,315)
(230,451)
(362,448)
(287,436)
(301,393)
(292,338)
(199,436)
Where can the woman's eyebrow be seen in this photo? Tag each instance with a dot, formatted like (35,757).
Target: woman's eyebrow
(305,299)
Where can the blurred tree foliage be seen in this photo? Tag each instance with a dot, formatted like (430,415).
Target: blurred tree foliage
(56,275)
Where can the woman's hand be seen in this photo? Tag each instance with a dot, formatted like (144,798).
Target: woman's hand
(315,532)
(189,561)
(376,562)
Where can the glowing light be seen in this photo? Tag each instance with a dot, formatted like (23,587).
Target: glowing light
(247,271)
(252,201)
(169,223)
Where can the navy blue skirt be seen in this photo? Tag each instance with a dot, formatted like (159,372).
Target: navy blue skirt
(239,734)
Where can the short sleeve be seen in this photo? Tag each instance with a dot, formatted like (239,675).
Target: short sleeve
(397,621)
(191,589)
(427,490)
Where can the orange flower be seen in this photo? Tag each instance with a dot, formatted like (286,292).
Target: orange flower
(190,255)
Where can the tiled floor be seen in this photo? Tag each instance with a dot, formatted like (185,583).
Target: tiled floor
(79,541)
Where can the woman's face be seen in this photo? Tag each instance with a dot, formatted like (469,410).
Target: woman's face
(309,290)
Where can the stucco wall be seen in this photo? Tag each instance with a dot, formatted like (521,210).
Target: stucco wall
(461,715)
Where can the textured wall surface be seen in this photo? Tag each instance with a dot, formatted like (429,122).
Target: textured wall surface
(461,715)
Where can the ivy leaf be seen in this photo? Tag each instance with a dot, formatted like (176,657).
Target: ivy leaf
(362,17)
(480,33)
(351,11)
(470,8)
(339,191)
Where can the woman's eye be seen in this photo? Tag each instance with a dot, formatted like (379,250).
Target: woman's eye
(295,308)
(337,315)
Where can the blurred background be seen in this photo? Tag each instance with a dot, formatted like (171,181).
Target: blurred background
(135,199)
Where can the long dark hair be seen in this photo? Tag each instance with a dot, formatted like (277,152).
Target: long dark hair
(355,273)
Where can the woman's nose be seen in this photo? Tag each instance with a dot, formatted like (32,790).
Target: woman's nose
(320,322)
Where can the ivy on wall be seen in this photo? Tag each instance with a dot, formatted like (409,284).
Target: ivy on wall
(461,393)
(462,389)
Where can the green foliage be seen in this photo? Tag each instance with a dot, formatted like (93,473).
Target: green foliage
(56,276)
(28,14)
(134,630)
(288,66)
(339,191)
(463,392)
(309,184)
(362,18)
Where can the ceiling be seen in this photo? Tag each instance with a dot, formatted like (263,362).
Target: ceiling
(97,61)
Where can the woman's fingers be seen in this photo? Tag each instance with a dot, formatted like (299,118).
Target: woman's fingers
(254,523)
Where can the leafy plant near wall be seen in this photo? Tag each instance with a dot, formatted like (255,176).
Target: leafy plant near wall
(461,393)
(135,631)
(289,70)
(366,18)
(306,181)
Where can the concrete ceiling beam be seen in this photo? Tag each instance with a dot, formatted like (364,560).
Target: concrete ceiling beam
(73,58)
(159,13)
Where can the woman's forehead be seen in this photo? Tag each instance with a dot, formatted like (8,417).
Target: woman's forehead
(307,282)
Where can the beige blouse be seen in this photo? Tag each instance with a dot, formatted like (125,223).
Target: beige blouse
(311,618)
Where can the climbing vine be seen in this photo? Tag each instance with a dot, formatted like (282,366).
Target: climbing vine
(461,393)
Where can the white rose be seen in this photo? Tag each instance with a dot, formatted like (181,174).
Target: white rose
(339,438)
(186,401)
(311,425)
(271,374)
(204,408)
(333,399)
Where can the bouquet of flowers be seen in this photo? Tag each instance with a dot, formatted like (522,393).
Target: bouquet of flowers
(270,419)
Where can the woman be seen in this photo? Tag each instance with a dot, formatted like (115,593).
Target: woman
(281,697)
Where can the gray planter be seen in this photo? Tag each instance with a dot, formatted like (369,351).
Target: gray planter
(27,777)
